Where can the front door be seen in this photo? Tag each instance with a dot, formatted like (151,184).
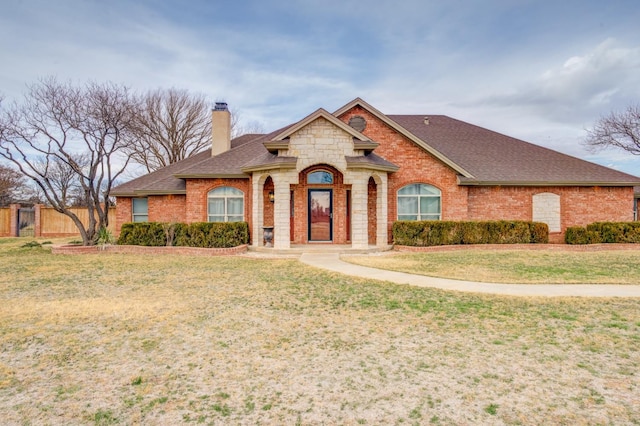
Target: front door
(320,215)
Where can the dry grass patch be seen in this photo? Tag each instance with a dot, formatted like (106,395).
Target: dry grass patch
(515,266)
(122,339)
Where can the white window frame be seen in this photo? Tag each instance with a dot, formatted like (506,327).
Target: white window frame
(419,214)
(227,194)
(138,216)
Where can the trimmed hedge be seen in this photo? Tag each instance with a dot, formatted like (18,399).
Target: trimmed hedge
(604,232)
(199,234)
(437,233)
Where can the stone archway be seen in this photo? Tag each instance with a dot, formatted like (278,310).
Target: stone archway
(372,211)
(320,200)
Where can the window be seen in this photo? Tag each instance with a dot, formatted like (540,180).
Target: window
(320,176)
(419,202)
(226,204)
(140,209)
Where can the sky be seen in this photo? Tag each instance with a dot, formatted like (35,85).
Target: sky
(542,71)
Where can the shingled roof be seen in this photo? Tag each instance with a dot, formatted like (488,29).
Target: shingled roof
(479,156)
(496,159)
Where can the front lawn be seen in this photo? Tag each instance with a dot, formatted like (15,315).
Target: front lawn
(131,339)
(515,266)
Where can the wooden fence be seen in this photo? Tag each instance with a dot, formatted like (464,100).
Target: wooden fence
(48,222)
(5,222)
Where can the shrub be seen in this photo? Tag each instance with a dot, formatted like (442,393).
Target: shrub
(142,234)
(580,235)
(433,233)
(199,234)
(616,232)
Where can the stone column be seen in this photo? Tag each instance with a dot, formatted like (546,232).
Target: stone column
(257,215)
(359,212)
(382,211)
(281,214)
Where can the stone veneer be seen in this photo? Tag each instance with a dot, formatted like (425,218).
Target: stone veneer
(321,145)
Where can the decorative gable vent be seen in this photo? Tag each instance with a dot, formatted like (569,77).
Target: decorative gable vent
(358,123)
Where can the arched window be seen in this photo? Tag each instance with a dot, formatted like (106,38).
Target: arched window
(226,204)
(419,201)
(320,176)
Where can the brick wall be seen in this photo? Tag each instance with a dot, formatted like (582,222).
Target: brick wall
(372,193)
(268,205)
(123,212)
(167,208)
(184,208)
(198,189)
(416,166)
(579,206)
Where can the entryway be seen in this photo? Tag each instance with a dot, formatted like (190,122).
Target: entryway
(320,215)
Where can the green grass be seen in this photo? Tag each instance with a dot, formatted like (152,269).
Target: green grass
(516,266)
(132,339)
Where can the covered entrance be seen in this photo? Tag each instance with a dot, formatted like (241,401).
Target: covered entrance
(320,215)
(325,186)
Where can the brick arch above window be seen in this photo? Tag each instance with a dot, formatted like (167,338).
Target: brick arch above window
(337,177)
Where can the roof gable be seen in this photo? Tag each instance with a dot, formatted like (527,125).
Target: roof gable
(497,159)
(319,113)
(397,127)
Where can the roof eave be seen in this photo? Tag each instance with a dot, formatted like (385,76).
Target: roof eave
(390,169)
(270,166)
(274,146)
(161,192)
(212,175)
(144,192)
(466,182)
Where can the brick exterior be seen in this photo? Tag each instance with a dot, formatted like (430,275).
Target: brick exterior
(184,208)
(579,206)
(372,213)
(369,217)
(416,166)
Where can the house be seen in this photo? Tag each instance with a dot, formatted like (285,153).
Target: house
(346,177)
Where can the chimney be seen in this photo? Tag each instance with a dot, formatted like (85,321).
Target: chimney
(220,129)
(426,121)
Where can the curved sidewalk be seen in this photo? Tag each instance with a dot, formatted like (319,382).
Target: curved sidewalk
(332,262)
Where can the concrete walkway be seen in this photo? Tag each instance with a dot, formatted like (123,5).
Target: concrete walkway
(332,262)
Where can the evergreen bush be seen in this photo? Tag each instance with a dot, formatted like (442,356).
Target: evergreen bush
(435,233)
(198,234)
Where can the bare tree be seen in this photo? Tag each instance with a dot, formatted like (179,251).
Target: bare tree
(239,129)
(12,185)
(171,125)
(77,128)
(618,130)
(63,178)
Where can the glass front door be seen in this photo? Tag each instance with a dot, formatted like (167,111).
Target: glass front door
(320,215)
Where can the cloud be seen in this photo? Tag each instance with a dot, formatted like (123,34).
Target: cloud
(581,88)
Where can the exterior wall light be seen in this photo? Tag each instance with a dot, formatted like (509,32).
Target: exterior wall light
(271,196)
